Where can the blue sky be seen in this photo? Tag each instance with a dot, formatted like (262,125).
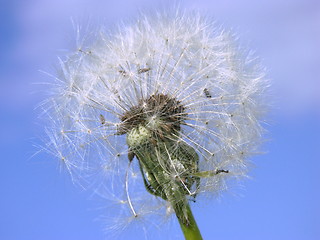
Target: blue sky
(280,201)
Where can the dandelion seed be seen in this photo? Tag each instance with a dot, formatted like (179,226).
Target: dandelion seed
(102,119)
(143,70)
(171,97)
(207,93)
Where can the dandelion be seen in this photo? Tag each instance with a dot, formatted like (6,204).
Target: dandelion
(160,112)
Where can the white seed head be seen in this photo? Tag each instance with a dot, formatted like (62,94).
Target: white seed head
(177,83)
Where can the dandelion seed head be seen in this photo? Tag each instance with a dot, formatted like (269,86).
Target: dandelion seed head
(174,89)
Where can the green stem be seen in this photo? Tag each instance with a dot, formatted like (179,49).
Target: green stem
(190,230)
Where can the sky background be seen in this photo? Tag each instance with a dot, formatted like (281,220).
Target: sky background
(280,201)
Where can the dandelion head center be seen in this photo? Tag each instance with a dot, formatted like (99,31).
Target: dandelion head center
(158,117)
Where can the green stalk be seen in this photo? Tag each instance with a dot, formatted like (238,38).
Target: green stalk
(169,169)
(190,229)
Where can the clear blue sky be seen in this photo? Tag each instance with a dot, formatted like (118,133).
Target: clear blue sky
(281,201)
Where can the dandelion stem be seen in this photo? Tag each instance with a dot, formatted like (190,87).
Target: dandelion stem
(190,228)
